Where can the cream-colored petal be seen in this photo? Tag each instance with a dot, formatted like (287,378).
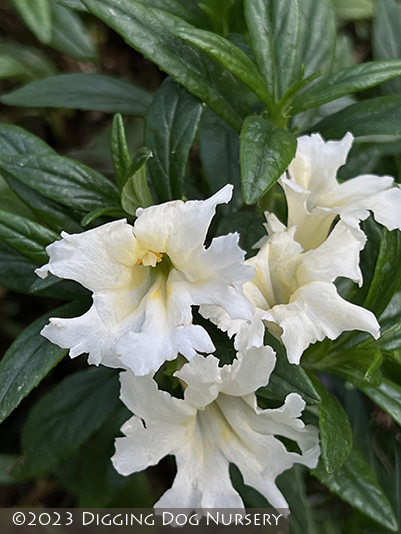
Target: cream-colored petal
(101,258)
(337,256)
(177,227)
(316,162)
(314,312)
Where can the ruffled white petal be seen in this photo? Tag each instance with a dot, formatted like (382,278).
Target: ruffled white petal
(229,428)
(337,256)
(316,311)
(315,197)
(98,259)
(259,455)
(205,379)
(145,280)
(178,228)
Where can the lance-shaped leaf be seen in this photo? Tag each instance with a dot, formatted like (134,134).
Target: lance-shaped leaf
(134,189)
(170,129)
(355,482)
(219,151)
(288,378)
(273,27)
(390,323)
(345,82)
(82,91)
(66,417)
(72,4)
(387,395)
(11,68)
(187,10)
(16,141)
(265,153)
(69,34)
(377,118)
(33,63)
(62,180)
(16,271)
(231,57)
(335,430)
(387,39)
(54,214)
(387,274)
(317,35)
(119,149)
(150,31)
(36,14)
(26,236)
(29,360)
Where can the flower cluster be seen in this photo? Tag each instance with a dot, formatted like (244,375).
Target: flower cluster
(145,278)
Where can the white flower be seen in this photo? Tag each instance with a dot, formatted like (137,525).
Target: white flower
(293,291)
(315,197)
(144,280)
(217,422)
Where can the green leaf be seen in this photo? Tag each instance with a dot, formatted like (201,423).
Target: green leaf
(72,4)
(387,274)
(91,476)
(379,119)
(33,62)
(287,378)
(10,67)
(171,125)
(62,180)
(355,9)
(366,360)
(113,211)
(231,57)
(82,91)
(36,14)
(219,151)
(335,430)
(317,36)
(29,360)
(390,322)
(150,31)
(55,215)
(249,226)
(343,55)
(265,153)
(273,28)
(345,82)
(355,483)
(119,149)
(387,39)
(66,417)
(218,13)
(16,271)
(187,10)
(292,484)
(16,141)
(69,34)
(387,395)
(135,191)
(26,236)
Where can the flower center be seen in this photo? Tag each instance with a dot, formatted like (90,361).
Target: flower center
(150,259)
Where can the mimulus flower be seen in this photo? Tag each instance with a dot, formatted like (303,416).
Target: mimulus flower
(315,197)
(294,294)
(217,422)
(144,280)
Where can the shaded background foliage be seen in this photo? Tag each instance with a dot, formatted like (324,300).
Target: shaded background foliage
(67,464)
